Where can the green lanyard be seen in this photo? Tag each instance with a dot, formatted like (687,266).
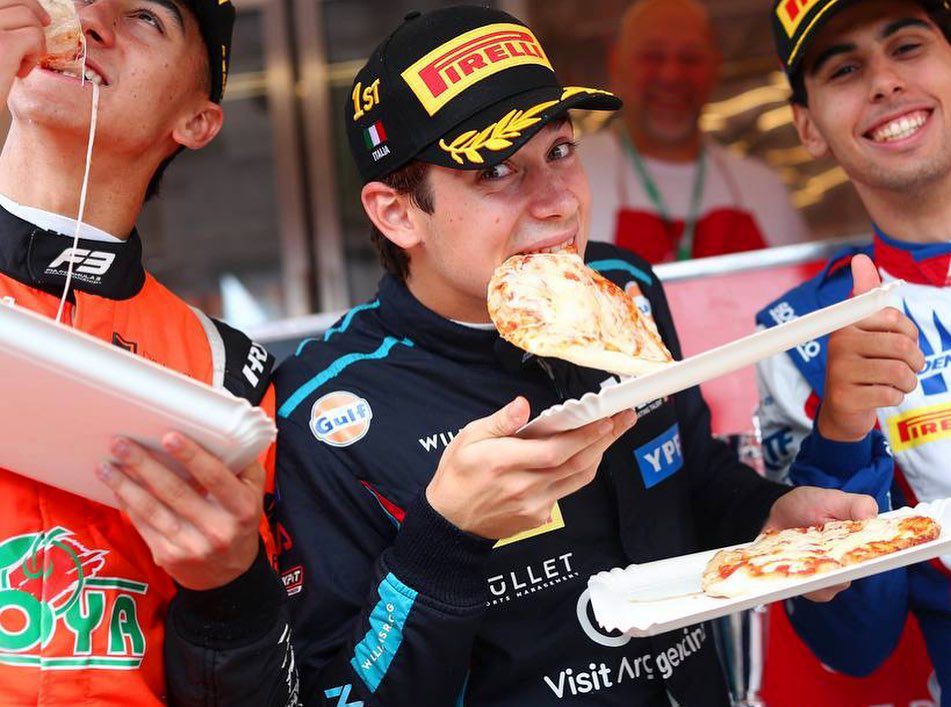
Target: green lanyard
(685,246)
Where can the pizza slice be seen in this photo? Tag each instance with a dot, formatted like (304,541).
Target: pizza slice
(801,553)
(552,304)
(65,41)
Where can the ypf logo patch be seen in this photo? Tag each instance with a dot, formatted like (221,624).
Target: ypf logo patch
(791,13)
(463,61)
(340,418)
(293,580)
(661,457)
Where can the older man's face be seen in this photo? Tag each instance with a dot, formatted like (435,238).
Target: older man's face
(665,69)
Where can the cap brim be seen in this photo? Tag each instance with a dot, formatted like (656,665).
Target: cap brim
(801,47)
(498,132)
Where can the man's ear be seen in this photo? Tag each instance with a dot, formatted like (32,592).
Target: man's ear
(201,127)
(392,213)
(809,133)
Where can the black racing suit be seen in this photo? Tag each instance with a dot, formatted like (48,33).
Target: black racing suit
(393,606)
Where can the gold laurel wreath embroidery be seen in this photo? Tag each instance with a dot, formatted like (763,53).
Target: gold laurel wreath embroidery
(499,135)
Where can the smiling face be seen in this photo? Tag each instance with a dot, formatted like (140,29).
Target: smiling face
(537,200)
(878,80)
(664,68)
(151,62)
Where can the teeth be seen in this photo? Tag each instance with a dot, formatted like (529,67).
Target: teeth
(91,75)
(554,248)
(900,128)
(88,74)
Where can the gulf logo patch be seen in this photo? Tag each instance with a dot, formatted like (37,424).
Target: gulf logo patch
(634,291)
(340,418)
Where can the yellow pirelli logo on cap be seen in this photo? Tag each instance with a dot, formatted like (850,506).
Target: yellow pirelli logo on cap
(919,427)
(792,12)
(463,61)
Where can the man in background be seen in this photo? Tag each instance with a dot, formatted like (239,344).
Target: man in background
(658,186)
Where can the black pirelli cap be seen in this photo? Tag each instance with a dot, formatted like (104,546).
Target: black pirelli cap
(462,87)
(796,24)
(216,24)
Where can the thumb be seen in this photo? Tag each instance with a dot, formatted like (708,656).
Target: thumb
(862,507)
(864,275)
(502,423)
(254,476)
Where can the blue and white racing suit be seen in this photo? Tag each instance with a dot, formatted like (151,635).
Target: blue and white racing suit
(861,627)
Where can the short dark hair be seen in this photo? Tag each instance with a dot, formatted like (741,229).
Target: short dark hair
(797,82)
(152,190)
(412,179)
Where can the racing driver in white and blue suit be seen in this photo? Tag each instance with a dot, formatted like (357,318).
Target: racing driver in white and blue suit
(870,87)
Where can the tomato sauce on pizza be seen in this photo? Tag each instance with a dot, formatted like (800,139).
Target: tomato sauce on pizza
(806,552)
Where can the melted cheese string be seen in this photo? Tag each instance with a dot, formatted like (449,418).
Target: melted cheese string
(82,194)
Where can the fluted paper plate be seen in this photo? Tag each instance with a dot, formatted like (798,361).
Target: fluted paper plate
(67,394)
(656,597)
(634,392)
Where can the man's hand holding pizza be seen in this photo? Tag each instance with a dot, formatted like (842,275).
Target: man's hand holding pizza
(494,485)
(22,42)
(871,364)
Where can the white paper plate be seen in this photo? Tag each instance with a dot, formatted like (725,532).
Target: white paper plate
(633,392)
(656,597)
(67,394)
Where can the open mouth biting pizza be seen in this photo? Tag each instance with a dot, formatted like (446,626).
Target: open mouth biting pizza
(65,42)
(801,553)
(552,304)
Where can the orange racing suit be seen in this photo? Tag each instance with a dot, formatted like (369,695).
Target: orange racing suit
(82,605)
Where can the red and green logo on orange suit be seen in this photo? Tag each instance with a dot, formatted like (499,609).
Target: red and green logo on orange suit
(51,591)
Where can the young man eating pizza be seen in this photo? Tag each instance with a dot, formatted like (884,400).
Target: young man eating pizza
(872,87)
(84,597)
(432,556)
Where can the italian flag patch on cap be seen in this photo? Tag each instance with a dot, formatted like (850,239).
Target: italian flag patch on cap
(374,135)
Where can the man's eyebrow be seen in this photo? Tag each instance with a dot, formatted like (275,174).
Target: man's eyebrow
(905,22)
(828,54)
(172,8)
(889,30)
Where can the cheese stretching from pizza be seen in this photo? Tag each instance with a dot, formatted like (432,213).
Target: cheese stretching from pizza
(552,304)
(65,42)
(801,553)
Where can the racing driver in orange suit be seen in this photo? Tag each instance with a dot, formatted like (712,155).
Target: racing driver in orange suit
(91,597)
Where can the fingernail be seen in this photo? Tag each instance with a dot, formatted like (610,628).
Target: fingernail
(605,426)
(121,447)
(105,472)
(173,442)
(630,417)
